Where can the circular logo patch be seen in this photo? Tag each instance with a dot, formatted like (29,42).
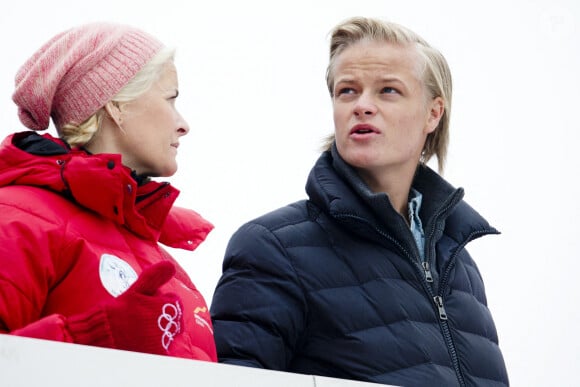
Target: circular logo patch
(116,274)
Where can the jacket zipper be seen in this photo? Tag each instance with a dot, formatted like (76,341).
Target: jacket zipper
(427,270)
(426,280)
(424,273)
(438,299)
(441,308)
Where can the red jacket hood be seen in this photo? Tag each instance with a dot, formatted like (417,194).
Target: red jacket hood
(100,183)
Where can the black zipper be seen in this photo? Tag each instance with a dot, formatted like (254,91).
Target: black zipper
(438,299)
(439,302)
(424,273)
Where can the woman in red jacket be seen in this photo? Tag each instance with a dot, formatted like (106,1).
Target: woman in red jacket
(80,259)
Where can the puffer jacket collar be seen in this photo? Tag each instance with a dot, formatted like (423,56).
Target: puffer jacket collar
(101,184)
(335,187)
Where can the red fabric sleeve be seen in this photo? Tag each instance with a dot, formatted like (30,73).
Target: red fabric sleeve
(49,328)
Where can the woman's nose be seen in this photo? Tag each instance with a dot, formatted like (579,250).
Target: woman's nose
(183,126)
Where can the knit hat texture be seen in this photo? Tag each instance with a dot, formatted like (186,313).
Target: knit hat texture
(78,71)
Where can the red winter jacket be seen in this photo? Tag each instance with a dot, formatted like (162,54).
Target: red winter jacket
(77,230)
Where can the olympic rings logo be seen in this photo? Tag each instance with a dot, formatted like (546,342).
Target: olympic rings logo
(168,323)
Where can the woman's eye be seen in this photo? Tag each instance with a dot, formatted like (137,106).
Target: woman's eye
(172,99)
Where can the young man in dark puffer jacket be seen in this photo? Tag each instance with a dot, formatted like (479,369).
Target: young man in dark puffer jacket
(369,278)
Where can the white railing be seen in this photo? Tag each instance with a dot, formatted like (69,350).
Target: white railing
(28,362)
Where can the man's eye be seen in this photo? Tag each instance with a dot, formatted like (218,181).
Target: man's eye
(345,90)
(389,90)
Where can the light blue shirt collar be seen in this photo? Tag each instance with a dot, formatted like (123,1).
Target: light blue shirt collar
(415,200)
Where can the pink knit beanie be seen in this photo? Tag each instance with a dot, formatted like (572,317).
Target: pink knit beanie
(78,71)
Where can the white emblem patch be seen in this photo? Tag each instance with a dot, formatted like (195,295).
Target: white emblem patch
(116,274)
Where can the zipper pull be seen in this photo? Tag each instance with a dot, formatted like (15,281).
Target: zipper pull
(427,271)
(439,303)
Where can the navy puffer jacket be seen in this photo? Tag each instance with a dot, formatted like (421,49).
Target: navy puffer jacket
(334,286)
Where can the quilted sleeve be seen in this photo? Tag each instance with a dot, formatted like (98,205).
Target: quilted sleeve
(258,308)
(26,274)
(51,327)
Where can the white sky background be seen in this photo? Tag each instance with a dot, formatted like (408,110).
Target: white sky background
(252,89)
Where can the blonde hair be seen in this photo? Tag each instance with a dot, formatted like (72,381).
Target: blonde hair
(436,73)
(81,134)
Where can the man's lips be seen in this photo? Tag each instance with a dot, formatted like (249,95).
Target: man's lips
(364,129)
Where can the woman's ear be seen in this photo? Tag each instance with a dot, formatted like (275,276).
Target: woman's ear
(113,110)
(434,114)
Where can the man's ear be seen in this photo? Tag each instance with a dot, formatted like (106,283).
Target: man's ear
(436,110)
(113,109)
